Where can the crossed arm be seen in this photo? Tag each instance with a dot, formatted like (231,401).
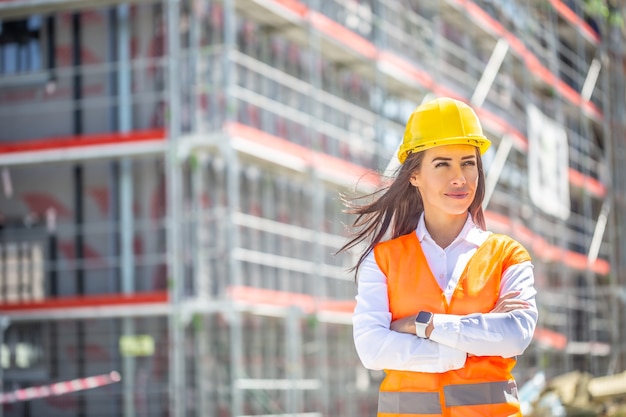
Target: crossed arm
(382,344)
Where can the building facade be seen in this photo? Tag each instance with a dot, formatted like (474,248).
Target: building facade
(172,175)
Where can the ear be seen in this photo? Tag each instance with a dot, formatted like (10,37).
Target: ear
(413,180)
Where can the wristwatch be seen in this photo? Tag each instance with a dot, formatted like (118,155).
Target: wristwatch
(423,319)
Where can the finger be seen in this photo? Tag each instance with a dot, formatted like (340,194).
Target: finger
(509,295)
(520,303)
(514,301)
(508,298)
(403,325)
(510,306)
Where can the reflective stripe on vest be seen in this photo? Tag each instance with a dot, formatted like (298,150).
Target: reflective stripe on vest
(455,395)
(409,402)
(483,393)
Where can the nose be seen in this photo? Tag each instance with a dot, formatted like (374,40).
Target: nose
(458,178)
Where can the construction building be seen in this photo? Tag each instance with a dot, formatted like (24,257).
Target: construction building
(171,179)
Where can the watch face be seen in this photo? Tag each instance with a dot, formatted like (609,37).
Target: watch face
(423,317)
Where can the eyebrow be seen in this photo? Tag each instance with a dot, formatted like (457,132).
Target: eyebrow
(442,158)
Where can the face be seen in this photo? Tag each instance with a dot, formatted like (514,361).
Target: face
(447,180)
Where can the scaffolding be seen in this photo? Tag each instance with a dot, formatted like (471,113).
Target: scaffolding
(171,174)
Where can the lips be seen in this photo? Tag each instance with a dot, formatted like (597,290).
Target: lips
(458,196)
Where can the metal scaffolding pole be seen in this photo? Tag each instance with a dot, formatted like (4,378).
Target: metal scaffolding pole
(591,79)
(174,213)
(565,275)
(317,195)
(234,206)
(490,72)
(4,324)
(202,275)
(126,226)
(293,340)
(615,153)
(504,148)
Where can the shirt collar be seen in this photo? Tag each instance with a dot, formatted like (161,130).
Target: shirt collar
(470,232)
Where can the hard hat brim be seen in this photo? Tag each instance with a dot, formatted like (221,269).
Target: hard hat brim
(481,142)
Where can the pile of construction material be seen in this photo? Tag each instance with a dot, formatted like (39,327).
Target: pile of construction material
(579,394)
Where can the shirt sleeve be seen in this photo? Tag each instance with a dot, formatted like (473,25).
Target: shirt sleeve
(378,346)
(494,334)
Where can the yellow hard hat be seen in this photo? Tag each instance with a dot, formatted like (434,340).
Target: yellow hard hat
(443,121)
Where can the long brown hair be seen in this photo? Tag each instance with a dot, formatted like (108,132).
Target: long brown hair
(400,206)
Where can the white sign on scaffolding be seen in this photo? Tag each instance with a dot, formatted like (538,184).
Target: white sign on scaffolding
(548,164)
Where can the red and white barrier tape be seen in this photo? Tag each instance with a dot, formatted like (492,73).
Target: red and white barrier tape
(60,388)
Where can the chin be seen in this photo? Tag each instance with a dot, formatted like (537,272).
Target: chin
(460,208)
(455,213)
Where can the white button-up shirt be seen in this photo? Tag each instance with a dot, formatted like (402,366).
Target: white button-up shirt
(453,336)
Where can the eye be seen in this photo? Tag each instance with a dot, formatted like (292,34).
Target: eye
(441,164)
(470,163)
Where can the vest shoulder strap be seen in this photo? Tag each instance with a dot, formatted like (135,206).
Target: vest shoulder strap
(510,250)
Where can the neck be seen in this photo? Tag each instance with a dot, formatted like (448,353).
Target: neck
(444,229)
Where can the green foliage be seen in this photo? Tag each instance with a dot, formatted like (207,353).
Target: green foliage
(616,19)
(197,322)
(194,162)
(605,10)
(312,321)
(597,8)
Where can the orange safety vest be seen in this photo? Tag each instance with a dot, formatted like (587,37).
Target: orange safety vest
(485,385)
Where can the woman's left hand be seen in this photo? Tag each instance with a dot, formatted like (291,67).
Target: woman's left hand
(404,325)
(508,302)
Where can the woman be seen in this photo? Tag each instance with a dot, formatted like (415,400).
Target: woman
(444,306)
